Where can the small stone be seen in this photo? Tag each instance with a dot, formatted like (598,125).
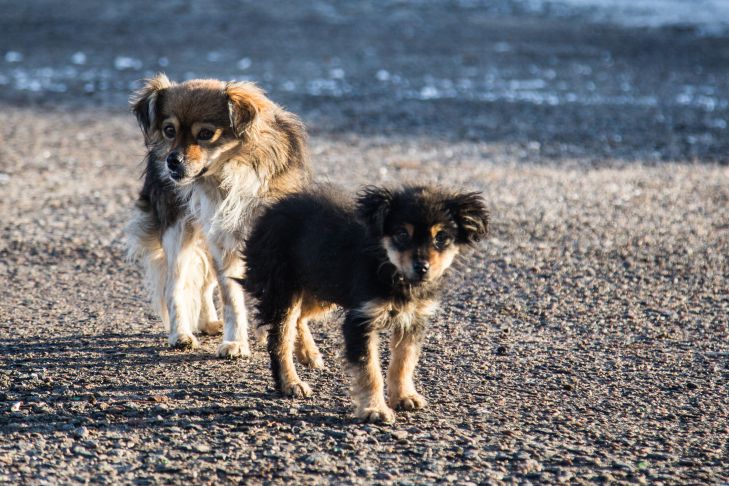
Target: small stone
(15,407)
(399,435)
(201,448)
(80,432)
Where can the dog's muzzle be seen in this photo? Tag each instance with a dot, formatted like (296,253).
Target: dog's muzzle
(175,165)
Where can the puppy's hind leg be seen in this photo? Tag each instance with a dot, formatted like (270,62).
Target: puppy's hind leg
(281,342)
(307,351)
(182,288)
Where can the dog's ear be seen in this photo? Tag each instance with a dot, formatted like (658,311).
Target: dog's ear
(245,102)
(471,216)
(373,206)
(145,102)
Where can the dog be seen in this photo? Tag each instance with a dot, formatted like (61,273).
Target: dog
(217,153)
(381,258)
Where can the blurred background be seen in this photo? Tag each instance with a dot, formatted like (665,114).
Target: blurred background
(586,79)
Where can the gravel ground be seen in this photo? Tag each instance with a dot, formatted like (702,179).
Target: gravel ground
(584,341)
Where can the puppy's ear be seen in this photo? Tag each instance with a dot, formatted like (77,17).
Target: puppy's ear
(144,102)
(471,216)
(245,102)
(373,206)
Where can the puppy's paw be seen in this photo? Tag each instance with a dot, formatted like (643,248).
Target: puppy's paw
(212,328)
(311,360)
(183,341)
(297,389)
(414,401)
(233,349)
(377,415)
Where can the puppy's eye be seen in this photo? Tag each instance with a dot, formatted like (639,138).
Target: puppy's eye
(205,134)
(401,236)
(441,240)
(169,131)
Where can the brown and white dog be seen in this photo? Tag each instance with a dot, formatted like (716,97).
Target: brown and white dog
(217,152)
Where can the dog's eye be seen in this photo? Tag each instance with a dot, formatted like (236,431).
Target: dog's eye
(401,236)
(169,131)
(440,240)
(205,134)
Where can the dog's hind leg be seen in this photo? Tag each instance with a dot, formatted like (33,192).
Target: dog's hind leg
(281,343)
(208,322)
(235,327)
(184,281)
(306,350)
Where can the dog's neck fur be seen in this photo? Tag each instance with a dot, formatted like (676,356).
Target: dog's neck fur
(226,201)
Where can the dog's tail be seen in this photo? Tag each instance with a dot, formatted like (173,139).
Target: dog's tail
(268,276)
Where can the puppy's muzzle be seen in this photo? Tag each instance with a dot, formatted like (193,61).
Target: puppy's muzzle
(176,166)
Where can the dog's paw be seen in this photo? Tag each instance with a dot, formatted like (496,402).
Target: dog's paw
(184,341)
(298,389)
(212,328)
(260,333)
(233,349)
(415,401)
(311,360)
(377,415)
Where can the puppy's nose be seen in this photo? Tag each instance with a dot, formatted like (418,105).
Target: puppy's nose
(421,267)
(174,160)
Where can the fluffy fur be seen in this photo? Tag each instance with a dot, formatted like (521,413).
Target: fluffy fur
(216,154)
(380,257)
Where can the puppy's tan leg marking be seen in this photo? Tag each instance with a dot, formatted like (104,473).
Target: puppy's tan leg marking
(306,350)
(405,351)
(291,384)
(307,353)
(368,386)
(235,328)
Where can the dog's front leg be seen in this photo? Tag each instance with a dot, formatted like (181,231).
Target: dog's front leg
(235,328)
(182,287)
(363,360)
(405,351)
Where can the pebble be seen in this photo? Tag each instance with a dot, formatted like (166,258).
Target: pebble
(80,432)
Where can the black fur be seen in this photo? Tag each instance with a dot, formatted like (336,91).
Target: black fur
(322,244)
(158,197)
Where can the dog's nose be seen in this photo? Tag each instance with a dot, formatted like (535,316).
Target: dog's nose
(421,267)
(174,160)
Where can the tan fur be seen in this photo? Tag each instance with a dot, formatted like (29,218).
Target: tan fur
(440,261)
(405,351)
(307,351)
(368,387)
(291,384)
(386,314)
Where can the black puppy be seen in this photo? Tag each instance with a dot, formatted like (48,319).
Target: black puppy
(380,257)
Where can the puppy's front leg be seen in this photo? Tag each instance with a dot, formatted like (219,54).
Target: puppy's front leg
(363,360)
(235,328)
(405,351)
